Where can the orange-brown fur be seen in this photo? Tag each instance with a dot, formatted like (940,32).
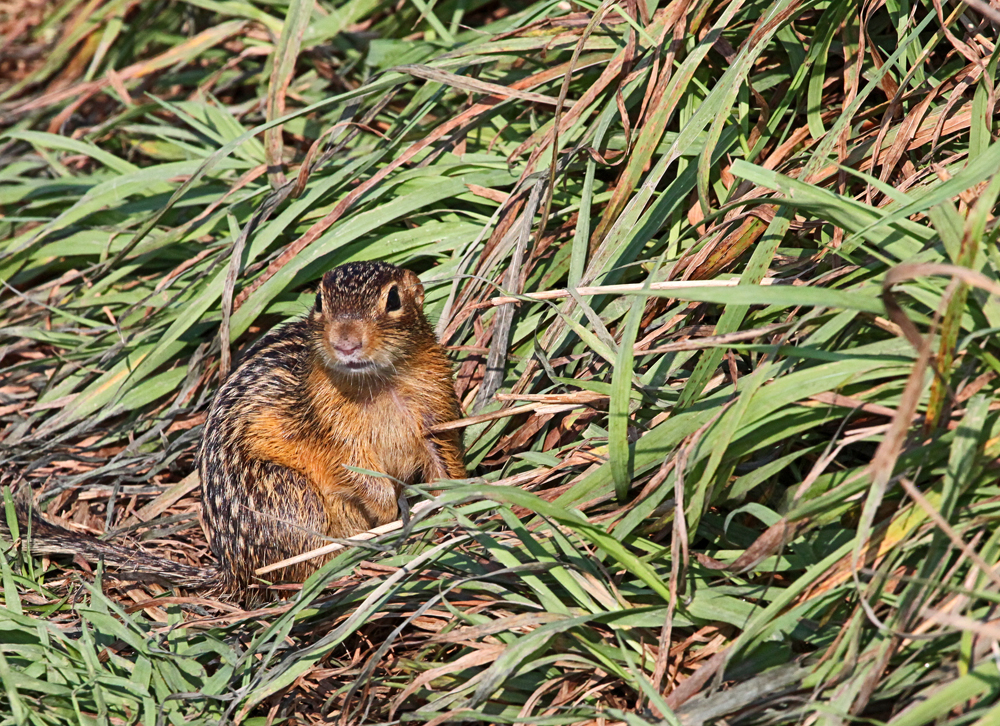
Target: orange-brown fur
(360,381)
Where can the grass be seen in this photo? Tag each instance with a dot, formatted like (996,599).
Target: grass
(720,501)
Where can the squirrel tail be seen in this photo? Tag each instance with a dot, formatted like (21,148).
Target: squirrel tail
(123,563)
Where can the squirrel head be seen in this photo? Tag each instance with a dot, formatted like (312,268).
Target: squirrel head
(368,319)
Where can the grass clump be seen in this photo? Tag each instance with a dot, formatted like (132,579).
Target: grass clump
(733,432)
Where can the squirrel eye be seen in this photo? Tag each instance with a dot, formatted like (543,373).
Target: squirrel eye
(319,302)
(392,301)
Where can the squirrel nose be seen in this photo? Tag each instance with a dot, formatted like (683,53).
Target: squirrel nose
(347,347)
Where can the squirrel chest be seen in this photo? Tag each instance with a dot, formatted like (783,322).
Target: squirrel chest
(383,430)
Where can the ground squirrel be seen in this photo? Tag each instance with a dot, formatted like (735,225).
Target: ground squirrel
(360,381)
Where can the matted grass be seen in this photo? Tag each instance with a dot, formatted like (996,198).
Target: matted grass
(737,464)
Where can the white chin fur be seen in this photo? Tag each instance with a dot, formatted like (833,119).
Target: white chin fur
(352,367)
(355,368)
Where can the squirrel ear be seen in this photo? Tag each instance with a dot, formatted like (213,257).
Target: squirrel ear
(319,301)
(413,282)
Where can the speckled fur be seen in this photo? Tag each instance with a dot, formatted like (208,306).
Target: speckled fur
(292,415)
(286,422)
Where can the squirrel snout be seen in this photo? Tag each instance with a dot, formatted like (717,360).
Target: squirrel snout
(347,342)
